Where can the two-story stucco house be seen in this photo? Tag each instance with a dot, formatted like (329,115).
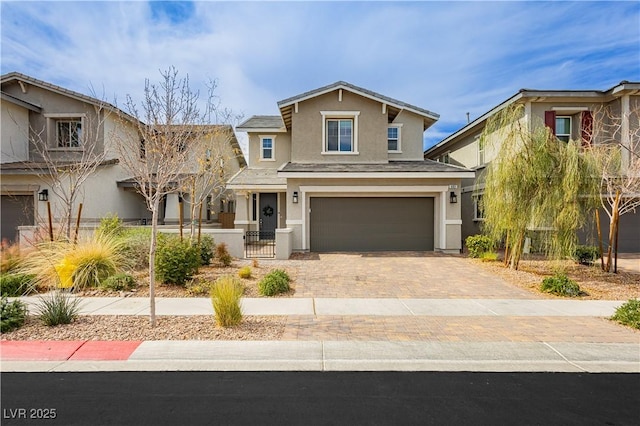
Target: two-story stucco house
(343,167)
(67,125)
(570,114)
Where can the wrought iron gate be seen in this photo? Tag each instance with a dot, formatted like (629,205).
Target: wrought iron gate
(260,244)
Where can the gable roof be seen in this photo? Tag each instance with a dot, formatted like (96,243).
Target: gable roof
(622,88)
(257,123)
(395,106)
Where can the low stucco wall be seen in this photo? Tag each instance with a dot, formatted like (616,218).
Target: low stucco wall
(284,243)
(233,238)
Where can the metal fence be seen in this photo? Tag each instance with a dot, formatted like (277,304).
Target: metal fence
(260,244)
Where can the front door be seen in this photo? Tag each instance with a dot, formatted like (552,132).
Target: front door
(268,212)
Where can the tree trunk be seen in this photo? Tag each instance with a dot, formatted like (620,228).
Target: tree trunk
(152,262)
(180,215)
(613,223)
(506,250)
(199,223)
(75,236)
(600,239)
(615,247)
(50,221)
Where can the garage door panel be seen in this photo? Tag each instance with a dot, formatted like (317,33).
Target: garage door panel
(371,224)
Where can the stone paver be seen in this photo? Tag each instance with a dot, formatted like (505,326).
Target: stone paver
(398,275)
(458,329)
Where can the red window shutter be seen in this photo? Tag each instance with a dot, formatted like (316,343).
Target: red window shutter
(550,120)
(586,127)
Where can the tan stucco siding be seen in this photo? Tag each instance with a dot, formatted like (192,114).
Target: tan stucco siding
(411,137)
(282,146)
(15,130)
(307,126)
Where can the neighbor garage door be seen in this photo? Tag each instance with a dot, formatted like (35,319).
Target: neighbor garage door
(17,210)
(371,224)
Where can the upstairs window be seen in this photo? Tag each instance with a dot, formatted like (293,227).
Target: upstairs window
(340,132)
(480,142)
(340,135)
(68,133)
(267,148)
(393,139)
(563,128)
(478,207)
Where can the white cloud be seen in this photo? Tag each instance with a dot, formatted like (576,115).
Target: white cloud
(451,58)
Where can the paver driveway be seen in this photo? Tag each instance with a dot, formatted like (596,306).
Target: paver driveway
(398,275)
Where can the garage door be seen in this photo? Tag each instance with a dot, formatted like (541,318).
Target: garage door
(16,210)
(371,224)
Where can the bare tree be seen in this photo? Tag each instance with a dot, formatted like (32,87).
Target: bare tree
(63,158)
(213,154)
(157,152)
(616,145)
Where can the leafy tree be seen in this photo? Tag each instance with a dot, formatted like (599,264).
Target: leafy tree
(536,182)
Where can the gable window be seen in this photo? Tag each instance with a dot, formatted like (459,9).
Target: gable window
(563,128)
(267,148)
(68,133)
(444,158)
(340,132)
(393,138)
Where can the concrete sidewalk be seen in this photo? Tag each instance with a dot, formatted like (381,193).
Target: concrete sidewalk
(351,306)
(493,346)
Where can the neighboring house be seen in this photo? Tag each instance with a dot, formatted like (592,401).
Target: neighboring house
(570,115)
(69,125)
(343,168)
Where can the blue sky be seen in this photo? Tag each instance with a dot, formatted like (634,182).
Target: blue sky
(448,57)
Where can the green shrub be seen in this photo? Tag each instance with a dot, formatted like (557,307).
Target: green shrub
(561,285)
(198,287)
(176,261)
(244,272)
(137,241)
(118,282)
(206,249)
(275,282)
(628,314)
(586,255)
(225,296)
(15,285)
(222,255)
(12,314)
(111,225)
(58,308)
(478,244)
(489,256)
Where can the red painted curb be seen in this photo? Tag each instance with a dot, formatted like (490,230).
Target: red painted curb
(38,350)
(47,350)
(105,351)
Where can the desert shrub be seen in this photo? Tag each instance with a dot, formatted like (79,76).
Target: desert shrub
(118,282)
(275,282)
(489,256)
(85,264)
(222,255)
(15,285)
(560,285)
(136,242)
(628,314)
(586,255)
(244,272)
(206,246)
(10,257)
(198,287)
(255,263)
(478,244)
(111,225)
(58,307)
(225,296)
(12,314)
(176,261)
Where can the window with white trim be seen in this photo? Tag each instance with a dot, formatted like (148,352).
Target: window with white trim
(563,128)
(393,138)
(340,132)
(480,143)
(68,133)
(267,148)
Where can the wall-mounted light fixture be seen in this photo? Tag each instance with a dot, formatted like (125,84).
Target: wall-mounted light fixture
(295,197)
(453,198)
(43,195)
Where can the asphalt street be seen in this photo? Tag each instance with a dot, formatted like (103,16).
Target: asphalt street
(319,398)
